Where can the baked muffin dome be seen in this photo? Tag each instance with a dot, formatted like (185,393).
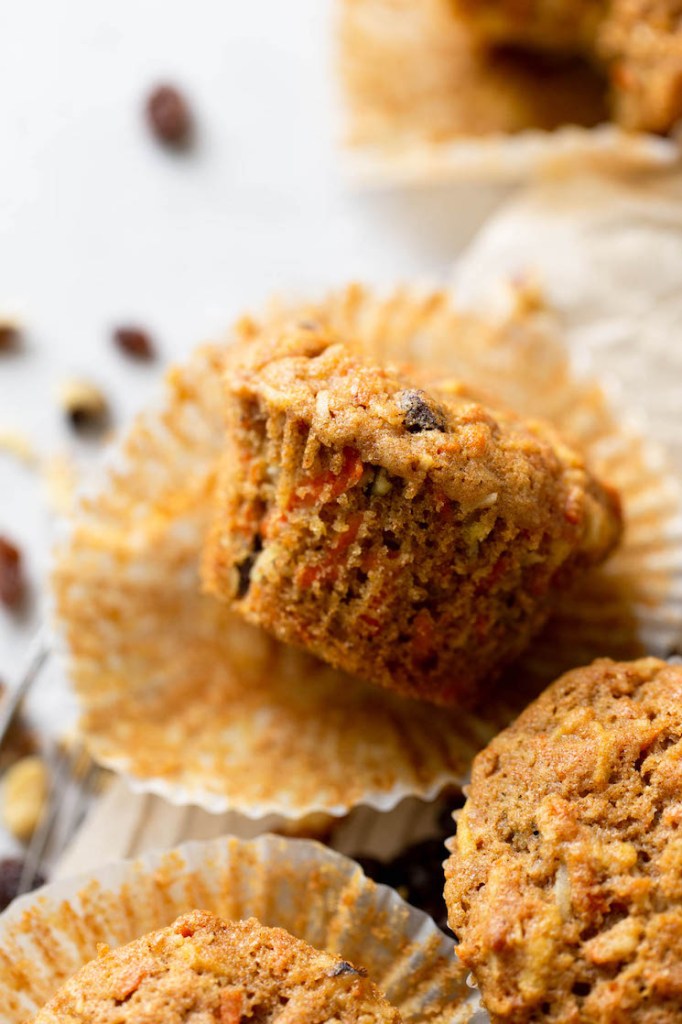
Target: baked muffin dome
(202,970)
(389,522)
(564,886)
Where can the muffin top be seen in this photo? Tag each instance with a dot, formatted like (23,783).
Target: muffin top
(203,970)
(417,425)
(565,881)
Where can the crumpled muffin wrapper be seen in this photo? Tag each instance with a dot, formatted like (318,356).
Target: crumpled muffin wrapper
(311,891)
(190,703)
(606,256)
(420,110)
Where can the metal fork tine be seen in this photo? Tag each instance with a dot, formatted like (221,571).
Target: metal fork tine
(37,656)
(87,778)
(73,778)
(58,761)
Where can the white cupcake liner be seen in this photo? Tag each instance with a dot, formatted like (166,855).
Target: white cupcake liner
(312,892)
(606,256)
(190,703)
(508,159)
(414,117)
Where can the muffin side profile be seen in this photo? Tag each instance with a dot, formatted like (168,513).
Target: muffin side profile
(204,969)
(391,524)
(564,886)
(637,43)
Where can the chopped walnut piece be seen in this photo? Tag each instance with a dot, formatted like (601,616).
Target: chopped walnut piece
(24,796)
(85,406)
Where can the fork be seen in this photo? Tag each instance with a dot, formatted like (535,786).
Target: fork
(73,779)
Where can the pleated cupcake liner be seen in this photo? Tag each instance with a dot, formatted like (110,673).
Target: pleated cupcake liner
(188,702)
(311,891)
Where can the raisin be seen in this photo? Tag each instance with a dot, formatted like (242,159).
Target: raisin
(420,415)
(135,342)
(244,568)
(345,968)
(10,877)
(10,336)
(12,586)
(169,116)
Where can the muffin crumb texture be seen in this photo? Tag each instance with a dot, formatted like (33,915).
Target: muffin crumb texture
(565,882)
(202,970)
(391,523)
(638,43)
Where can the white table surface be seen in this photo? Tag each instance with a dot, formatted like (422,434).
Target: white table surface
(100,226)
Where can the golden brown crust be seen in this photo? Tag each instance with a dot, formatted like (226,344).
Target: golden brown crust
(203,970)
(388,521)
(564,881)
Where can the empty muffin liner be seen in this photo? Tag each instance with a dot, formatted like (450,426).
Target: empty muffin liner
(311,891)
(421,109)
(190,703)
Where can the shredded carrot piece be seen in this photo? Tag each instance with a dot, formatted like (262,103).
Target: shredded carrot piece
(327,571)
(311,491)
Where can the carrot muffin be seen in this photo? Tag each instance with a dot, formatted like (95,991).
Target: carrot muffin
(474,72)
(565,882)
(637,42)
(202,969)
(389,522)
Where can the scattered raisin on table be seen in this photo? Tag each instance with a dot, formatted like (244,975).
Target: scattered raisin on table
(10,336)
(169,116)
(10,877)
(12,584)
(135,342)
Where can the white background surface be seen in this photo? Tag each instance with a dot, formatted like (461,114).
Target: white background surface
(99,225)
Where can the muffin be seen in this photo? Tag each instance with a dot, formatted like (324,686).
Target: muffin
(638,43)
(564,885)
(389,522)
(453,83)
(563,26)
(508,88)
(202,969)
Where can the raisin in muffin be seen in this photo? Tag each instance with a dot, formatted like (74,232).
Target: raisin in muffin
(565,882)
(637,43)
(390,524)
(202,969)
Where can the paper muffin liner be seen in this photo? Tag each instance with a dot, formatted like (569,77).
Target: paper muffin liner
(606,256)
(314,893)
(190,703)
(421,108)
